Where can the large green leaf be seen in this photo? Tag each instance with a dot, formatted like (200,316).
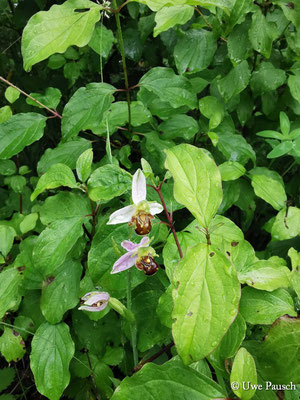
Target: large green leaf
(20,131)
(10,294)
(212,109)
(169,87)
(269,186)
(197,181)
(265,275)
(236,148)
(260,307)
(244,373)
(64,205)
(156,382)
(12,345)
(280,351)
(235,81)
(261,33)
(108,182)
(205,298)
(167,17)
(179,126)
(7,376)
(85,109)
(194,50)
(61,293)
(238,43)
(286,224)
(64,153)
(102,41)
(57,175)
(7,235)
(54,243)
(267,78)
(53,31)
(52,351)
(50,98)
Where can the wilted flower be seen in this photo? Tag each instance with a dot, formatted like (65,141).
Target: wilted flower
(141,212)
(141,255)
(94,301)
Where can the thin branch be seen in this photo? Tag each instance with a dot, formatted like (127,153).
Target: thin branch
(169,216)
(154,357)
(30,97)
(206,21)
(98,396)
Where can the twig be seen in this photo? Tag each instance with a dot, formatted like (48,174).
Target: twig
(30,97)
(93,377)
(154,357)
(207,23)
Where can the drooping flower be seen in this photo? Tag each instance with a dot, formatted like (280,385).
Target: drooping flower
(141,212)
(94,301)
(141,255)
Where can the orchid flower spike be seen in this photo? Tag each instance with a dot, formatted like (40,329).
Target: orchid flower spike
(141,255)
(94,301)
(141,212)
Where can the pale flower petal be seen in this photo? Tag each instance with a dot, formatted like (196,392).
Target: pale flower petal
(125,262)
(138,187)
(123,215)
(129,246)
(144,242)
(155,208)
(92,299)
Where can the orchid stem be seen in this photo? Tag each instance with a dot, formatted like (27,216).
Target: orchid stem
(122,51)
(132,324)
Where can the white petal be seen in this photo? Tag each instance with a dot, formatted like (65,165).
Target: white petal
(138,187)
(155,208)
(126,261)
(128,245)
(122,215)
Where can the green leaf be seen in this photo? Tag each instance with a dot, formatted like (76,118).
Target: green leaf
(85,109)
(238,13)
(281,149)
(269,186)
(265,275)
(5,114)
(244,373)
(7,235)
(205,298)
(238,43)
(235,81)
(179,126)
(261,33)
(56,176)
(149,331)
(65,153)
(276,365)
(197,181)
(117,115)
(20,131)
(172,379)
(271,134)
(64,205)
(12,345)
(62,292)
(102,40)
(230,344)
(284,123)
(10,282)
(56,61)
(267,78)
(55,242)
(50,98)
(53,31)
(212,109)
(84,165)
(29,222)
(7,376)
(294,85)
(167,17)
(108,182)
(195,49)
(286,224)
(7,167)
(169,87)
(295,274)
(11,94)
(260,307)
(52,351)
(231,170)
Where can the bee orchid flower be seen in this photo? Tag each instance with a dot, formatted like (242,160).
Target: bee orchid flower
(141,212)
(141,255)
(94,301)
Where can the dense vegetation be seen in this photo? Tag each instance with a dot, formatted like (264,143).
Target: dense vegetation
(149,199)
